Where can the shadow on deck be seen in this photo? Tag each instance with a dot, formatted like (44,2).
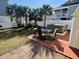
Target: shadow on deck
(60,44)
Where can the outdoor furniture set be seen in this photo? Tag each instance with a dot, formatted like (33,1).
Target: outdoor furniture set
(49,32)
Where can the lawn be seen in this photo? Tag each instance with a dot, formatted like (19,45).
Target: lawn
(12,39)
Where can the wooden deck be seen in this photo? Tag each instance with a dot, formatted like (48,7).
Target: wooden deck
(60,45)
(64,37)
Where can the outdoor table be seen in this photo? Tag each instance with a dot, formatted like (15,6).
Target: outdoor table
(46,31)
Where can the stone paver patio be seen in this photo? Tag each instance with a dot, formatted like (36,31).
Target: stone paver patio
(29,51)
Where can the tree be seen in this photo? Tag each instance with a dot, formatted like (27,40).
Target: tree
(46,10)
(26,13)
(18,14)
(9,11)
(31,15)
(36,15)
(14,11)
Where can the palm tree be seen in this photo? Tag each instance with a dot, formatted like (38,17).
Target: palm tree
(26,13)
(18,14)
(36,15)
(39,15)
(31,15)
(14,11)
(46,10)
(9,11)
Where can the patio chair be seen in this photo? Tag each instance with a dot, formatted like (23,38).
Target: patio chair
(35,32)
(53,34)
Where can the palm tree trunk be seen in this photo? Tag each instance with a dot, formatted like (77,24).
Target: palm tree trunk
(35,23)
(44,21)
(26,20)
(29,20)
(17,21)
(11,18)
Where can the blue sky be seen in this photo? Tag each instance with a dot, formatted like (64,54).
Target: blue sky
(37,3)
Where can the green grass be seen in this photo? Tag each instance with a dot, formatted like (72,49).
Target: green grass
(12,39)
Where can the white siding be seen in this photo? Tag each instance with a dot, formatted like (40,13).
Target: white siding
(74,38)
(3,4)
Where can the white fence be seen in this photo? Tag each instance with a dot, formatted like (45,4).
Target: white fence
(5,22)
(4,19)
(67,22)
(62,22)
(8,25)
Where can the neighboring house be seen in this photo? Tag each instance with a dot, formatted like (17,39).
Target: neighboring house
(63,14)
(4,19)
(65,11)
(3,5)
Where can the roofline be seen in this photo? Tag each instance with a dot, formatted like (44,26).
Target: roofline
(61,7)
(70,2)
(75,11)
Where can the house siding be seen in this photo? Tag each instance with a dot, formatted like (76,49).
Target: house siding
(74,38)
(3,5)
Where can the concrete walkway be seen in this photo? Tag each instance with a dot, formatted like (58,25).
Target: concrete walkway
(29,51)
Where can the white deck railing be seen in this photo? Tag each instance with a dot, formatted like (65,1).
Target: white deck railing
(62,22)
